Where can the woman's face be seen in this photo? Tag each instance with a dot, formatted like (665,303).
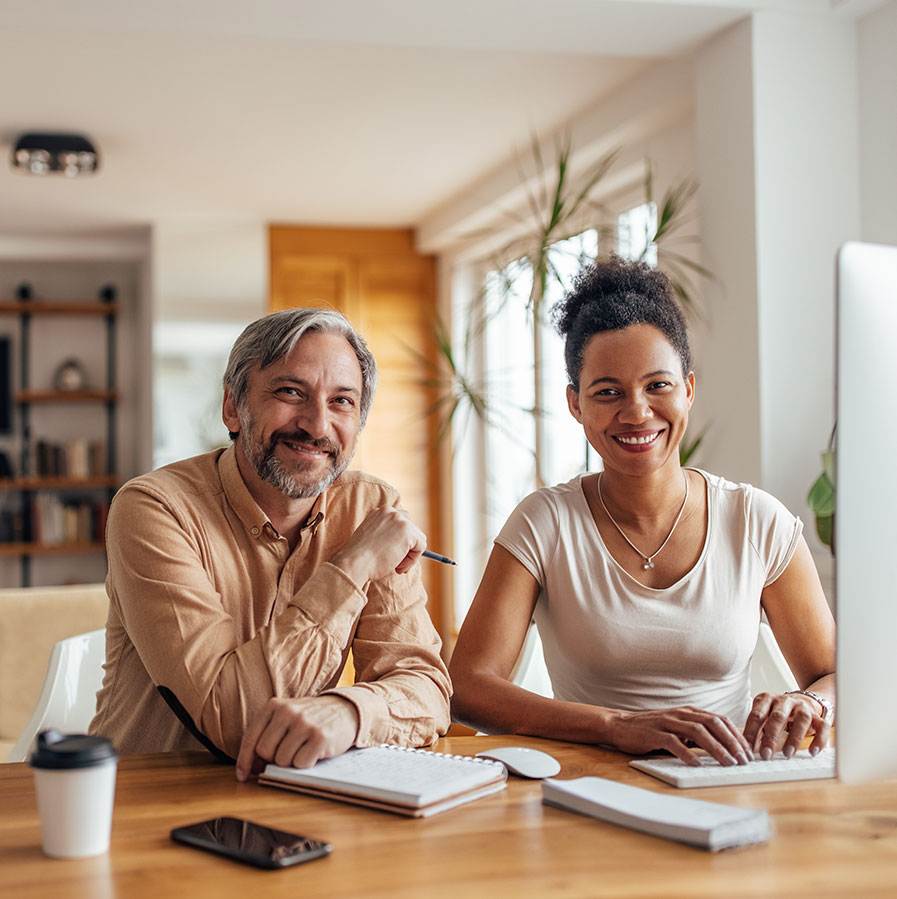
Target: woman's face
(633,399)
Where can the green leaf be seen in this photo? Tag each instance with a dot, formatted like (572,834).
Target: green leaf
(825,529)
(828,465)
(688,447)
(821,498)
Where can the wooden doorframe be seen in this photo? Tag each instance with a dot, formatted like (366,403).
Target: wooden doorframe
(373,275)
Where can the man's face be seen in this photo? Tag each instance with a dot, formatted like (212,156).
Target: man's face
(299,423)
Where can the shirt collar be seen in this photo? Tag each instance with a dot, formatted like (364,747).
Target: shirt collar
(247,509)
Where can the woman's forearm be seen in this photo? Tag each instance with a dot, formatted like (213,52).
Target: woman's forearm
(494,705)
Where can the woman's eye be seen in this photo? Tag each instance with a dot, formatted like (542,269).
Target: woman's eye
(659,385)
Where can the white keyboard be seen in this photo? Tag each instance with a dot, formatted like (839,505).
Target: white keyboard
(802,766)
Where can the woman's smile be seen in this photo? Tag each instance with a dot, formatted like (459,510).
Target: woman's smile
(638,441)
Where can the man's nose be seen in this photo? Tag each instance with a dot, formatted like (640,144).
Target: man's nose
(312,417)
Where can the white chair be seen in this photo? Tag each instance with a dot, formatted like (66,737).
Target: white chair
(68,698)
(530,671)
(769,670)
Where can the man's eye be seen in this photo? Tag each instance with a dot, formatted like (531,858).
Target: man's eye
(343,401)
(287,391)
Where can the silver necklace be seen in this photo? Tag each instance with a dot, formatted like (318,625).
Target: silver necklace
(649,560)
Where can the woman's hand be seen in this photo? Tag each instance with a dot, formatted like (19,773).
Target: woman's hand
(787,717)
(675,730)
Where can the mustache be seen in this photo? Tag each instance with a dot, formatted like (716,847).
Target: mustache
(300,436)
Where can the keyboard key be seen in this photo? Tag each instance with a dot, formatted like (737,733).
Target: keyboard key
(802,766)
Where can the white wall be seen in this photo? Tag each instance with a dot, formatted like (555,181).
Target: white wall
(728,390)
(210,279)
(778,154)
(210,268)
(807,200)
(878,124)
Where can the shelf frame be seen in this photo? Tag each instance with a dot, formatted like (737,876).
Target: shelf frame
(27,483)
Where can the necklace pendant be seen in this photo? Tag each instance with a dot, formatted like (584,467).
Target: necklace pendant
(648,564)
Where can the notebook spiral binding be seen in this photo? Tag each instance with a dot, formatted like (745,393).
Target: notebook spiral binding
(443,755)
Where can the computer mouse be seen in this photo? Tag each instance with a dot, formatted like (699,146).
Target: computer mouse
(523,762)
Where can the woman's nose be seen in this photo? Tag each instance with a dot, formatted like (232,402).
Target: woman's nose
(635,410)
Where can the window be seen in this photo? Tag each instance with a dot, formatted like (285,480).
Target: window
(634,231)
(495,464)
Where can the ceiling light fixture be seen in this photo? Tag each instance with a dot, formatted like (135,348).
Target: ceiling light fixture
(44,154)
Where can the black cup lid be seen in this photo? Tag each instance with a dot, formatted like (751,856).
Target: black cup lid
(56,750)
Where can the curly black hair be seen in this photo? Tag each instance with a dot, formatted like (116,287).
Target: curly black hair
(610,295)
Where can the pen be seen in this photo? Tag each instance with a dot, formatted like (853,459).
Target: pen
(437,558)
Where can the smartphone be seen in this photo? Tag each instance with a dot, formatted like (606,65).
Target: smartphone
(254,844)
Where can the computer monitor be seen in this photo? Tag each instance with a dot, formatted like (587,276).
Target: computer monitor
(866,512)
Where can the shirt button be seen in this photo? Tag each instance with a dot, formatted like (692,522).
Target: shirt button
(255,531)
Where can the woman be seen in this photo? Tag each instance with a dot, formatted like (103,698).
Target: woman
(647,580)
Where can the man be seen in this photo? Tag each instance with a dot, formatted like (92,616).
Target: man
(239,580)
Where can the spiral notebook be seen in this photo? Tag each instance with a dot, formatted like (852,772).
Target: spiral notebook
(413,782)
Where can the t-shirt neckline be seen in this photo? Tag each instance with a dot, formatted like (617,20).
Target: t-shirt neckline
(609,555)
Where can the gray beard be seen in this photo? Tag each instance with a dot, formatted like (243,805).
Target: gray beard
(269,468)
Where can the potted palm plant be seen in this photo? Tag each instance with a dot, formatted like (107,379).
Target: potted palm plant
(559,205)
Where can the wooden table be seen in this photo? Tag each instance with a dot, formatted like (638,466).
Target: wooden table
(832,840)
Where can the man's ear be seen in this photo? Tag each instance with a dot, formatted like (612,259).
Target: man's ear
(229,414)
(573,403)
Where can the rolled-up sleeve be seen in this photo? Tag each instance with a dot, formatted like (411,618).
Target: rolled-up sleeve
(402,688)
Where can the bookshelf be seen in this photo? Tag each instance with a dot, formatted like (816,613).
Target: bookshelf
(58,490)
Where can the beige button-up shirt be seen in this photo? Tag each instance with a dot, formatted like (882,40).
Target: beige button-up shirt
(207,600)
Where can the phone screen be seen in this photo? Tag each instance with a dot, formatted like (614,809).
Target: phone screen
(255,844)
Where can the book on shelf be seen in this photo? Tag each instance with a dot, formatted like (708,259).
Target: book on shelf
(56,521)
(413,782)
(708,825)
(75,458)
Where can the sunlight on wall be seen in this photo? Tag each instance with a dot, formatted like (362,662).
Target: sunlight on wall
(189,359)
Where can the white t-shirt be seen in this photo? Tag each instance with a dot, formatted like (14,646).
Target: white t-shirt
(610,641)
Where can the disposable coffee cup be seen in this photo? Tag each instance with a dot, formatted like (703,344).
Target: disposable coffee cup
(74,776)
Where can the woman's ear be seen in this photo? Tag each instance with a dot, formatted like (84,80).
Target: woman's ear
(690,388)
(573,403)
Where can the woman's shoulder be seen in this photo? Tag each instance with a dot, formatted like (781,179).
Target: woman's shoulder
(743,499)
(543,510)
(554,499)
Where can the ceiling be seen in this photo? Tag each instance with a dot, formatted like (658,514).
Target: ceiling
(355,112)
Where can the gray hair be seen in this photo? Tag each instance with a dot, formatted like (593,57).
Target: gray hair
(268,339)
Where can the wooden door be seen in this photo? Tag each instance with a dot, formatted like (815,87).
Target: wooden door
(388,291)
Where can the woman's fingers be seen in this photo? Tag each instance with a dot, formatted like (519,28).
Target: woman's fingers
(676,730)
(784,721)
(754,724)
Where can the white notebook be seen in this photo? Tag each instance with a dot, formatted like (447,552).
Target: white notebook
(709,825)
(413,782)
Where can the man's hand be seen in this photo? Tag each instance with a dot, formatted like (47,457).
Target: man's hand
(386,541)
(297,733)
(679,728)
